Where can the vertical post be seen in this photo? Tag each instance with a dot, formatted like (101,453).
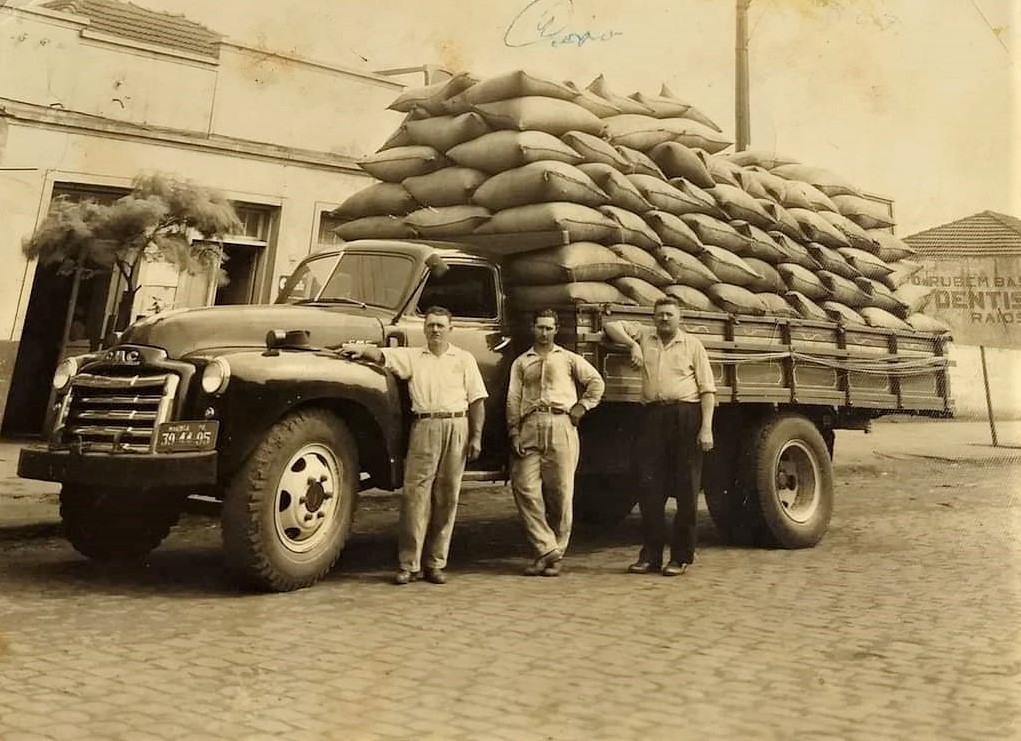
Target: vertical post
(741,93)
(989,397)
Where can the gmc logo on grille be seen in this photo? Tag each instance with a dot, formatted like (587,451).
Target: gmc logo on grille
(126,357)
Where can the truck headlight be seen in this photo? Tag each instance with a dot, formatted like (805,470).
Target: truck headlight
(64,373)
(216,376)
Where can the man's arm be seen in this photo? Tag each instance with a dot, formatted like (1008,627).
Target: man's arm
(705,432)
(592,385)
(514,406)
(623,334)
(476,421)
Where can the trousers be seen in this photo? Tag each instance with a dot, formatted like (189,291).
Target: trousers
(670,465)
(437,453)
(543,480)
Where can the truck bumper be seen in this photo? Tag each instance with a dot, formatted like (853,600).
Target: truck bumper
(123,469)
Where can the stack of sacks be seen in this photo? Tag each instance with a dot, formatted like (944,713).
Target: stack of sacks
(651,202)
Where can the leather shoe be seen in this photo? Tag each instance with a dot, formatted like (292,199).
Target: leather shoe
(435,576)
(674,568)
(643,567)
(553,569)
(403,577)
(543,562)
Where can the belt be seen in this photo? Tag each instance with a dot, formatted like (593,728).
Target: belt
(440,415)
(547,408)
(668,402)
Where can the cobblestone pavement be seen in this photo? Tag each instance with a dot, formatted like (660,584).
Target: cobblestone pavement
(902,623)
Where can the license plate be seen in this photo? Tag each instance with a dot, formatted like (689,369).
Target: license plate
(180,437)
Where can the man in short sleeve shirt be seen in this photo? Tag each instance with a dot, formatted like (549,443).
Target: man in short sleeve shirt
(543,412)
(679,394)
(447,401)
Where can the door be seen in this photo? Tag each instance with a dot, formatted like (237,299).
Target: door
(471,291)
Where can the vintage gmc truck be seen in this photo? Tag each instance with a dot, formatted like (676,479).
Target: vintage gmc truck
(254,406)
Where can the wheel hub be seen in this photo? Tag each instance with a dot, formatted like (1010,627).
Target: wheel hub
(798,481)
(306,502)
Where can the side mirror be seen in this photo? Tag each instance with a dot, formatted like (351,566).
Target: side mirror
(437,265)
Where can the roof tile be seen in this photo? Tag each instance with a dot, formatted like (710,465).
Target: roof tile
(130,21)
(985,232)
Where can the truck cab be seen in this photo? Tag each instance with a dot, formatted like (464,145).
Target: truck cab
(253,405)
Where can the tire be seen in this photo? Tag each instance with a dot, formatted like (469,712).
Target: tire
(733,509)
(116,524)
(603,499)
(793,478)
(287,511)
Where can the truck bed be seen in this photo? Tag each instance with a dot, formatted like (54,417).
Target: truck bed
(778,360)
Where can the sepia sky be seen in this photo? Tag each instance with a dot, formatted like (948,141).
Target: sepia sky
(917,100)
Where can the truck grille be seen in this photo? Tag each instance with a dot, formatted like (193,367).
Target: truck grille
(117,413)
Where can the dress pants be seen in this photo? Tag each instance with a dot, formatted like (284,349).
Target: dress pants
(437,453)
(670,465)
(543,480)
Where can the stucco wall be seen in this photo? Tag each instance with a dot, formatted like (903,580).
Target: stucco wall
(967,387)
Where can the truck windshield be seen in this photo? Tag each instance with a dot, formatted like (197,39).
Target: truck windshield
(370,279)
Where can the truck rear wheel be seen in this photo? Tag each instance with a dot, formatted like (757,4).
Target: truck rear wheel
(113,524)
(287,511)
(603,499)
(793,478)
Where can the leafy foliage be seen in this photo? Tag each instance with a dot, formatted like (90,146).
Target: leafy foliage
(156,221)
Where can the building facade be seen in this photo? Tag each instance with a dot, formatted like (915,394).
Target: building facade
(94,93)
(972,268)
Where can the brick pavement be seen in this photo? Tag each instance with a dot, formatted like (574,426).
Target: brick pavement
(902,623)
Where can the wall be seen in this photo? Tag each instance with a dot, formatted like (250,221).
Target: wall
(979,296)
(967,387)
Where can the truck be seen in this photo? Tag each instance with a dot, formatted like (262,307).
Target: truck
(256,407)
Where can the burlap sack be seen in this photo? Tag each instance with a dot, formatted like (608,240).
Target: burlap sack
(538,113)
(843,290)
(776,305)
(505,150)
(448,221)
(844,314)
(806,307)
(736,300)
(826,181)
(593,149)
(443,132)
(712,231)
(728,267)
(539,182)
(569,263)
(679,161)
(394,165)
(451,186)
(803,281)
(638,290)
(642,264)
(876,317)
(817,229)
(581,223)
(621,191)
(375,227)
(869,265)
(531,298)
(686,269)
(673,231)
(378,199)
(632,229)
(691,298)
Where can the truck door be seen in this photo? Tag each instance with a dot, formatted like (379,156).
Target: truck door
(472,291)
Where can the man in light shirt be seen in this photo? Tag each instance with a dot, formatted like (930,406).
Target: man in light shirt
(543,412)
(679,394)
(447,401)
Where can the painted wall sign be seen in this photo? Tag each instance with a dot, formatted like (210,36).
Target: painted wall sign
(980,297)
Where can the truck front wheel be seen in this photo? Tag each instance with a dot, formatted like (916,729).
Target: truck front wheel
(793,478)
(113,524)
(287,511)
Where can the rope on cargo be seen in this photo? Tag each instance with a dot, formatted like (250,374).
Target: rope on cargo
(894,367)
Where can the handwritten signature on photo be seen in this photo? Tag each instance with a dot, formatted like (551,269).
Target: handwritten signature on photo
(548,21)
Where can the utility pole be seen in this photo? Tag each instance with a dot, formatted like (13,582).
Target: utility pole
(741,96)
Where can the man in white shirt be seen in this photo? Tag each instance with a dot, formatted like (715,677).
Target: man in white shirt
(543,412)
(447,401)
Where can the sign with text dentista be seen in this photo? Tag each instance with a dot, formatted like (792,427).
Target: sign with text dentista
(978,296)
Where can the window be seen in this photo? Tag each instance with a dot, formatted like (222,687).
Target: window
(469,291)
(308,280)
(327,224)
(378,280)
